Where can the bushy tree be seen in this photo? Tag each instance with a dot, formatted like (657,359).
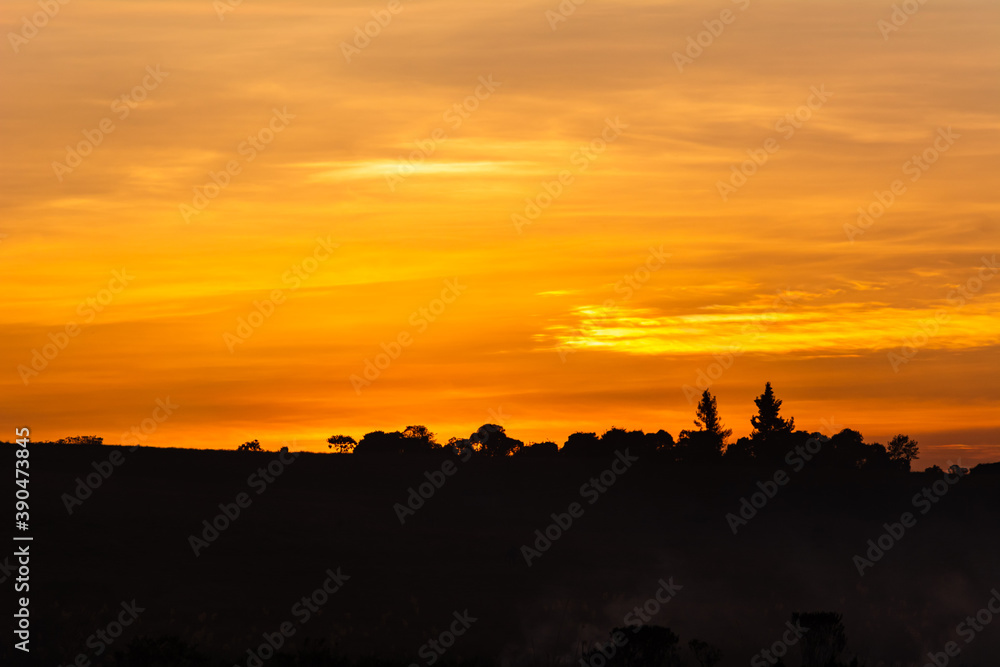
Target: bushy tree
(539,449)
(847,450)
(422,435)
(739,453)
(458,446)
(492,441)
(581,444)
(902,450)
(342,444)
(250,446)
(619,439)
(660,443)
(412,440)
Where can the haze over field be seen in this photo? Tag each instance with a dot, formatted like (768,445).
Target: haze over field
(636,271)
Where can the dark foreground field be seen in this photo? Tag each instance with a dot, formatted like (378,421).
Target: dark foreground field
(461,552)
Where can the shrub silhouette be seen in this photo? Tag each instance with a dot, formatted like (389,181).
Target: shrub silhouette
(251,446)
(81,440)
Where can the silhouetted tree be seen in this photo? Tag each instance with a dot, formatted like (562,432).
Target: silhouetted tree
(618,439)
(581,444)
(539,449)
(421,434)
(251,446)
(344,444)
(825,639)
(458,446)
(706,444)
(847,450)
(414,440)
(707,418)
(660,444)
(767,420)
(902,450)
(81,440)
(739,453)
(770,431)
(878,458)
(492,441)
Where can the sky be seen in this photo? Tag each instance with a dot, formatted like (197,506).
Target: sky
(555,217)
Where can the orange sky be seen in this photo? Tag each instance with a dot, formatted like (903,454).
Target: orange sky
(556,325)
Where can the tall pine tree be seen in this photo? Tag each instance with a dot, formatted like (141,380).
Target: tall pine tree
(767,421)
(770,430)
(705,444)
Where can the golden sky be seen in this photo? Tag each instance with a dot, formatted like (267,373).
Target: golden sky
(557,192)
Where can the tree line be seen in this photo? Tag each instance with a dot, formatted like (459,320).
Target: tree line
(772,439)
